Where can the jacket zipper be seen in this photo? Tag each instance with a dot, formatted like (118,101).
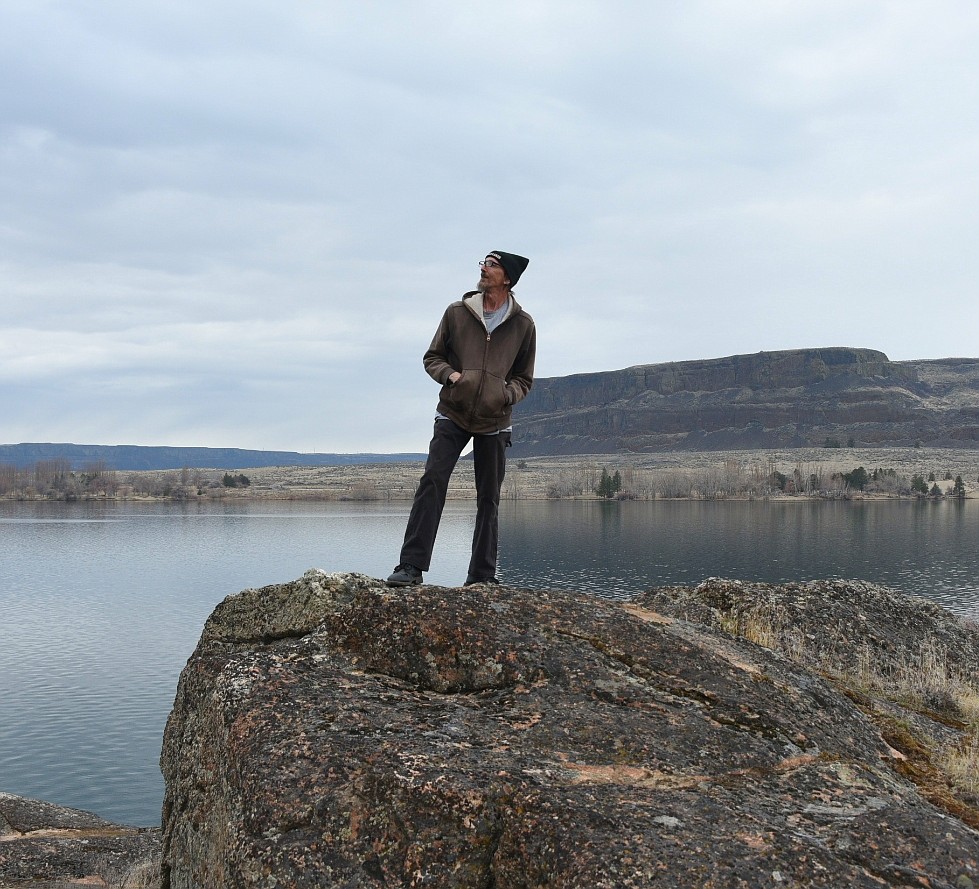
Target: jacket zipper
(482,379)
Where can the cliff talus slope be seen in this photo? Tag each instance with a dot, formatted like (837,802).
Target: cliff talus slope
(334,732)
(795,398)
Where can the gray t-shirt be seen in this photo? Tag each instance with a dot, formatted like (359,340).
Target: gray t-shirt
(492,319)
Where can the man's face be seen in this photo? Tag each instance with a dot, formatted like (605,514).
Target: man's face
(491,274)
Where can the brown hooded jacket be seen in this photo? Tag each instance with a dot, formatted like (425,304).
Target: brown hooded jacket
(497,369)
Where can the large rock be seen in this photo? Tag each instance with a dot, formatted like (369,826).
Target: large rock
(795,398)
(45,845)
(837,625)
(334,732)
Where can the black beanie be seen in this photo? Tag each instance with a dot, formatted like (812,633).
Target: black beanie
(512,264)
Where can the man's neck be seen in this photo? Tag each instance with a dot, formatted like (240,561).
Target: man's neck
(494,298)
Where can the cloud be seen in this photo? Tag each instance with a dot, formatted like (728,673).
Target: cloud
(238,224)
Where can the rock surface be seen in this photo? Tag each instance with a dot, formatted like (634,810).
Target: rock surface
(795,398)
(43,845)
(831,623)
(334,732)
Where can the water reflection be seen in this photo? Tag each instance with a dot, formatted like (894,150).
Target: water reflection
(103,603)
(616,549)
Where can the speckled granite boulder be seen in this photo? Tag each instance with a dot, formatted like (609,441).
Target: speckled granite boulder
(334,732)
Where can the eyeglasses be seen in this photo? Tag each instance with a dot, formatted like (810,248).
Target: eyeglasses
(489,264)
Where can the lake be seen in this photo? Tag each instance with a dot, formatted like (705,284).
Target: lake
(102,604)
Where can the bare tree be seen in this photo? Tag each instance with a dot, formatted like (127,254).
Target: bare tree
(9,480)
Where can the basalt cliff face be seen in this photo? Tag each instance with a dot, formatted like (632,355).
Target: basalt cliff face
(795,398)
(334,732)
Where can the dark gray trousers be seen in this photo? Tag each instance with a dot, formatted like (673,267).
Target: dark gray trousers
(489,459)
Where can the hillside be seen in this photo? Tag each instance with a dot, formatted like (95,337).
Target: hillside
(787,399)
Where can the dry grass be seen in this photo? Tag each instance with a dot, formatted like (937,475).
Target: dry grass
(142,875)
(771,627)
(962,764)
(140,881)
(765,628)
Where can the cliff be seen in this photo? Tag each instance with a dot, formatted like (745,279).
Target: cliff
(795,398)
(334,732)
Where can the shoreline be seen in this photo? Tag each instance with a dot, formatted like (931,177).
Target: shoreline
(776,474)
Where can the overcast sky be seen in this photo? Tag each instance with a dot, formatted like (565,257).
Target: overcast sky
(236,224)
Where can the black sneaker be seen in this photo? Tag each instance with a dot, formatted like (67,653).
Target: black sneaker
(472,581)
(405,575)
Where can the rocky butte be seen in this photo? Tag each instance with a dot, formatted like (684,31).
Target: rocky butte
(333,732)
(795,398)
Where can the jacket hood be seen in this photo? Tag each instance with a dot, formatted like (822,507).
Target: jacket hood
(473,300)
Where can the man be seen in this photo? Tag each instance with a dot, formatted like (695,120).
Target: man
(483,355)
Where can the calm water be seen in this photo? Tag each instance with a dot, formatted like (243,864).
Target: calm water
(102,604)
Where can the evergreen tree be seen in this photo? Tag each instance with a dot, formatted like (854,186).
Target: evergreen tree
(609,485)
(856,478)
(604,484)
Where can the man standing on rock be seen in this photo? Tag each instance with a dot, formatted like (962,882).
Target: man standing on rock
(483,355)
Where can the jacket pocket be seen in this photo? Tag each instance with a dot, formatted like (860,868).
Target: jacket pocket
(462,392)
(492,399)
